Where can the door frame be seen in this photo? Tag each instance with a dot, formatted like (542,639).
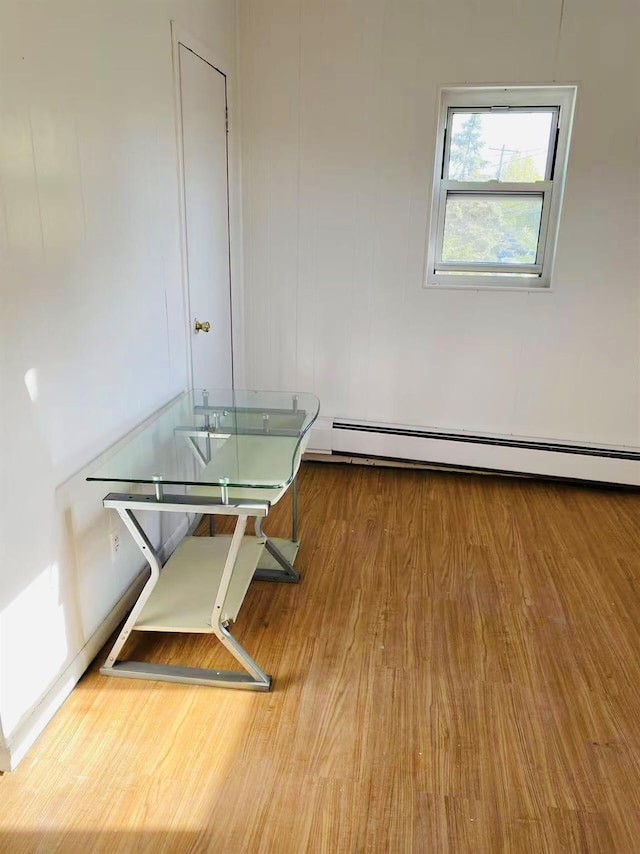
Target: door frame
(180,36)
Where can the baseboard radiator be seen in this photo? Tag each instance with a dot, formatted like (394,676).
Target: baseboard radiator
(368,441)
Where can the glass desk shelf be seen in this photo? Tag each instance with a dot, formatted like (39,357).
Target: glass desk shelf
(246,439)
(227,452)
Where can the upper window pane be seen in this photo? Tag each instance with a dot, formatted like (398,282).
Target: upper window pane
(499,146)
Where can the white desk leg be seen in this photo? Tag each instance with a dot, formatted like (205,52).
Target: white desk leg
(254,679)
(221,630)
(142,541)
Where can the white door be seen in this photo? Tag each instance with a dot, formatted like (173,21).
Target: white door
(203,91)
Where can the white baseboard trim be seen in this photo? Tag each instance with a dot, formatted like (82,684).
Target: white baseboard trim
(26,733)
(506,454)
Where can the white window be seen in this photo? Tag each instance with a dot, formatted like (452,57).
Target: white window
(501,159)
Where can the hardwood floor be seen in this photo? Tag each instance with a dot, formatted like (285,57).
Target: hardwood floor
(458,671)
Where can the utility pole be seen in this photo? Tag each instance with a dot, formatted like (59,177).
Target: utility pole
(504,150)
(500,164)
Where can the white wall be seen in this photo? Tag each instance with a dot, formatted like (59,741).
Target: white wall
(339,124)
(91,306)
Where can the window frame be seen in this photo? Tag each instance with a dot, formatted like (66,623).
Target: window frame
(528,277)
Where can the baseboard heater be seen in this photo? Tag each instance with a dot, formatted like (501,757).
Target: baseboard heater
(484,451)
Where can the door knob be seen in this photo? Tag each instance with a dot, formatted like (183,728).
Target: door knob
(205,326)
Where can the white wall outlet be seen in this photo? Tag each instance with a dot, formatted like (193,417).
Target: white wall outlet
(115,545)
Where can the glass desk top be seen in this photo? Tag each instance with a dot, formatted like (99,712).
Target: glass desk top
(235,438)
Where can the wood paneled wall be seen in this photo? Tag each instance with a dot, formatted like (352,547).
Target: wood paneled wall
(339,125)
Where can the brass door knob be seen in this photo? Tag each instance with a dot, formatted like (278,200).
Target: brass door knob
(205,326)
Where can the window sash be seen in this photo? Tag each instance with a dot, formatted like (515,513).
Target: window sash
(489,188)
(507,98)
(553,132)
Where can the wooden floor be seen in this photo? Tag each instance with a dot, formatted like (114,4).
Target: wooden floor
(459,671)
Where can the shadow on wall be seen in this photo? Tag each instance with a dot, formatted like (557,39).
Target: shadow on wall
(35,634)
(59,581)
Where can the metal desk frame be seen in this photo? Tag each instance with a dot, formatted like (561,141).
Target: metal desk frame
(253,678)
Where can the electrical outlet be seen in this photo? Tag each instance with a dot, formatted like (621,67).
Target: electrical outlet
(115,545)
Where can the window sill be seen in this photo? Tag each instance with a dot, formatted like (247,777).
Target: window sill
(450,286)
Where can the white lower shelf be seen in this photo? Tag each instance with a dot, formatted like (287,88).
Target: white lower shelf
(185,594)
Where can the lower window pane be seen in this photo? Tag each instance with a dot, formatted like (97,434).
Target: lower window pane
(492,229)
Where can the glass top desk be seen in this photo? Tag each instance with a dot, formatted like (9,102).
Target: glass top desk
(209,452)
